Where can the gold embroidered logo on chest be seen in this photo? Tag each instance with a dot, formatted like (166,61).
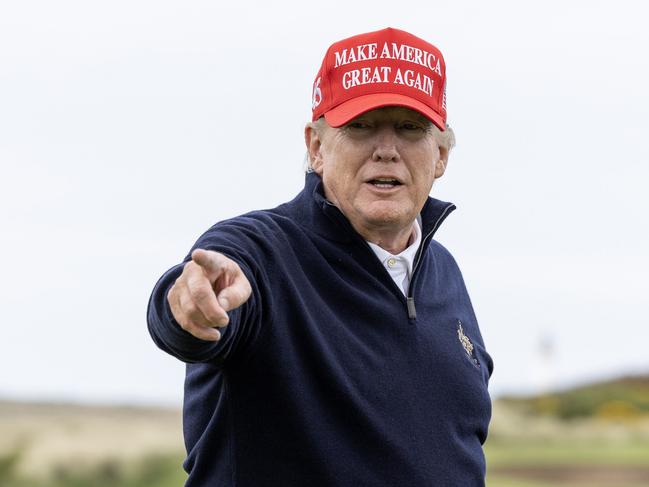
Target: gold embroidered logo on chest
(464,340)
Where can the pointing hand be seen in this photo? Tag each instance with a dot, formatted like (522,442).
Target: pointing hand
(209,285)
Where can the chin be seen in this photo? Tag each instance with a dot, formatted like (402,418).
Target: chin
(388,215)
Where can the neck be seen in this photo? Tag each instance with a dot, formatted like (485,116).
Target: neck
(389,240)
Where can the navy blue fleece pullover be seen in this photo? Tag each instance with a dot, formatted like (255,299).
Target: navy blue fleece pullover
(328,375)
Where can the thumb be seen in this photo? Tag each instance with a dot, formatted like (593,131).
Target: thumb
(236,293)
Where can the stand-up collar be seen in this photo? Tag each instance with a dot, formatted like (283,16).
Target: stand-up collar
(312,204)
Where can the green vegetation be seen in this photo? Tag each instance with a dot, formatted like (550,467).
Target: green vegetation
(498,481)
(510,465)
(625,398)
(565,452)
(596,436)
(151,471)
(567,463)
(8,462)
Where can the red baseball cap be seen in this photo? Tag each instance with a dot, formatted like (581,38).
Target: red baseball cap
(388,67)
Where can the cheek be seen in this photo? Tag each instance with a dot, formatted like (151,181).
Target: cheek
(424,180)
(342,184)
(424,168)
(342,174)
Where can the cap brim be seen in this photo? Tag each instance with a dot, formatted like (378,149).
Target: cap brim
(351,109)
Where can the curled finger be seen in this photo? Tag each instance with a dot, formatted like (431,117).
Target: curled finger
(203,299)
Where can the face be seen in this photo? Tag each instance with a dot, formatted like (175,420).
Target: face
(379,168)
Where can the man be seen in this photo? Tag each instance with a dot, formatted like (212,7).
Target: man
(331,341)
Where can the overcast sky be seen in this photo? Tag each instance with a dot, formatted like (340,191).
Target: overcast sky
(127,128)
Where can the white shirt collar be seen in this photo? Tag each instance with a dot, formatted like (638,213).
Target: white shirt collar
(400,266)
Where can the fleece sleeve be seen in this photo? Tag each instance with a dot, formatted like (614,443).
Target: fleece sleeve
(239,337)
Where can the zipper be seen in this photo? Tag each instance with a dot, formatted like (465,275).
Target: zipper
(355,235)
(410,299)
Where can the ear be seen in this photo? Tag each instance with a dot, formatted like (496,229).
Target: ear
(442,162)
(313,146)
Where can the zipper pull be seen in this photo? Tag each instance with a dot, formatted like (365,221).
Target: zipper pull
(412,312)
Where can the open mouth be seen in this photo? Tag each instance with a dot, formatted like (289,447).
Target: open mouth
(384,183)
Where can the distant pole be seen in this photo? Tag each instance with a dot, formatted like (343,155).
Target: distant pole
(546,356)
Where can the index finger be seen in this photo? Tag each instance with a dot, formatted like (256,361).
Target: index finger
(213,263)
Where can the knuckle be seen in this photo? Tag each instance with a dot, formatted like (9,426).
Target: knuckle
(171,295)
(186,325)
(189,309)
(178,283)
(200,293)
(213,317)
(189,266)
(183,301)
(191,270)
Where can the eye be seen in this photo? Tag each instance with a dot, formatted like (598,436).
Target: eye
(358,125)
(411,127)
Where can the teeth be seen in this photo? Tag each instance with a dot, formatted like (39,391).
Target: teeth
(384,182)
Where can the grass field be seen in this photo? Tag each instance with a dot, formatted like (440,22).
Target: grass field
(530,450)
(75,446)
(568,464)
(69,445)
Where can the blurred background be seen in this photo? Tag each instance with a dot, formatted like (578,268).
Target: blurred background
(128,128)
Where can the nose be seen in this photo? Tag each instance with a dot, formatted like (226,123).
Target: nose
(385,145)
